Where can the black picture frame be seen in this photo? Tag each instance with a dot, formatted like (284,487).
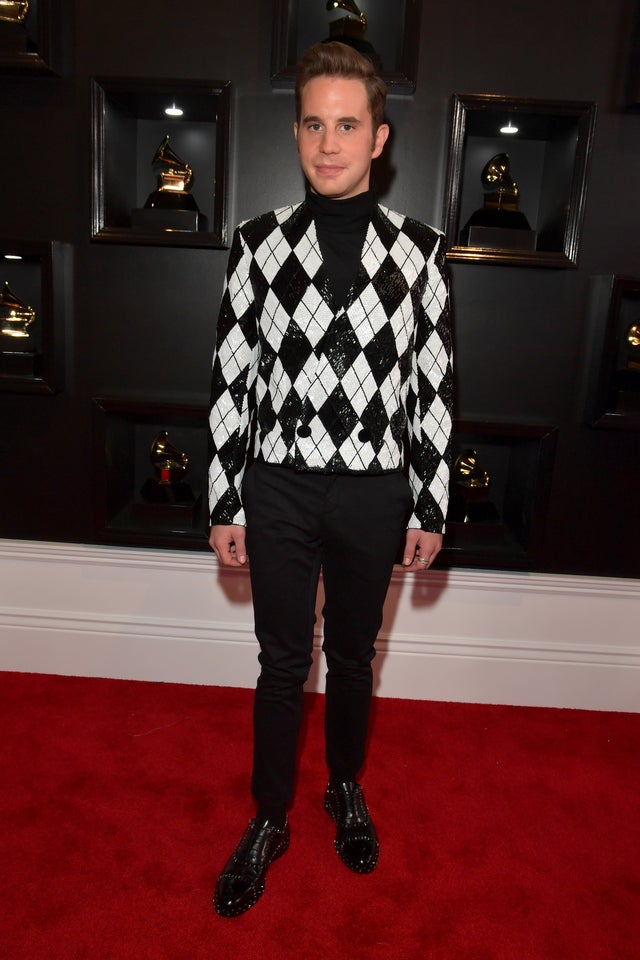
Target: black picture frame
(393,30)
(548,160)
(614,397)
(128,123)
(123,431)
(35,363)
(32,46)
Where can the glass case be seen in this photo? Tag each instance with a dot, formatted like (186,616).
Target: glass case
(29,36)
(388,33)
(150,473)
(517,178)
(32,288)
(160,155)
(500,482)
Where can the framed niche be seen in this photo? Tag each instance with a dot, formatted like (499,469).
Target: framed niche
(386,32)
(31,316)
(517,180)
(614,401)
(160,161)
(632,90)
(500,483)
(150,473)
(29,36)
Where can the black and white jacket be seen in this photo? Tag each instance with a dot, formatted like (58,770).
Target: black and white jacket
(299,384)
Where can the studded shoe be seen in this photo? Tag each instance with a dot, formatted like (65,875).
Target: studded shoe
(241,883)
(356,840)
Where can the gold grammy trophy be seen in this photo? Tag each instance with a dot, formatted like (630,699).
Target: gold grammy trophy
(470,501)
(15,316)
(18,355)
(499,223)
(170,465)
(170,206)
(13,11)
(347,24)
(632,347)
(625,381)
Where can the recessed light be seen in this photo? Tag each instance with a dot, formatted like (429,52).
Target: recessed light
(12,256)
(508,128)
(173,111)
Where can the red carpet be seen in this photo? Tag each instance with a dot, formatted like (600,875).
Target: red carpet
(507,833)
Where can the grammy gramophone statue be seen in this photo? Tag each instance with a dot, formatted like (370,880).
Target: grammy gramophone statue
(170,465)
(470,501)
(170,206)
(632,347)
(15,316)
(347,24)
(18,356)
(13,11)
(498,223)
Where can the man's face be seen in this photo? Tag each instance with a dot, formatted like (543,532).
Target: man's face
(335,136)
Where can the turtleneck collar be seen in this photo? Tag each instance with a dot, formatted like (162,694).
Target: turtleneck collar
(347,216)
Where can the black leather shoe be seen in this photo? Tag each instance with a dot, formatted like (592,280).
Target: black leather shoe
(241,883)
(356,840)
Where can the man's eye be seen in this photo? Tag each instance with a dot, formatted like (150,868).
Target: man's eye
(347,126)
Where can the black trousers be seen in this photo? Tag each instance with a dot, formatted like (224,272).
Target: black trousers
(297,524)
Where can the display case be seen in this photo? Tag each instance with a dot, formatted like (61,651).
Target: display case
(386,32)
(29,36)
(614,395)
(632,88)
(160,156)
(150,473)
(517,180)
(32,295)
(500,483)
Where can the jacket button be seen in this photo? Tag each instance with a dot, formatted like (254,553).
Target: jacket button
(364,435)
(304,431)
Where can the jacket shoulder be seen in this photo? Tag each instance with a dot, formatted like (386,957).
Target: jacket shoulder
(422,234)
(254,231)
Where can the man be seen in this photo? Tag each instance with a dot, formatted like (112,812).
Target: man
(332,358)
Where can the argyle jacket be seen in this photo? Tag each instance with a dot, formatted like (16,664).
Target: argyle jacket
(301,384)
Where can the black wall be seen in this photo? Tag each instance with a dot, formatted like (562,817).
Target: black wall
(140,320)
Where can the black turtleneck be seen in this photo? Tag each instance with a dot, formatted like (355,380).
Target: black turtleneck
(341,227)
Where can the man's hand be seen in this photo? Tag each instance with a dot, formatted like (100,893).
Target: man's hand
(421,549)
(228,543)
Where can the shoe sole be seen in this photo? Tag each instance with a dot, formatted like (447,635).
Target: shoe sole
(282,847)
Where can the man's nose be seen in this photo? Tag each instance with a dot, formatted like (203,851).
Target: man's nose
(329,142)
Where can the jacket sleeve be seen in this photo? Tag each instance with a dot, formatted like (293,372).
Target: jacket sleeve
(430,399)
(235,363)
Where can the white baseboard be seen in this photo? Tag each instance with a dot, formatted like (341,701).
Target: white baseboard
(475,636)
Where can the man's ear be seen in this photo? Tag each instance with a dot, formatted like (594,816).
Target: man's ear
(379,140)
(295,131)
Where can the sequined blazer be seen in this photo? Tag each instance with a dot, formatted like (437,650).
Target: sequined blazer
(301,384)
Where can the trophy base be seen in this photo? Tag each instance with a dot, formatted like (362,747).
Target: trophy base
(498,229)
(13,38)
(20,364)
(169,500)
(628,402)
(467,511)
(152,491)
(154,218)
(502,238)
